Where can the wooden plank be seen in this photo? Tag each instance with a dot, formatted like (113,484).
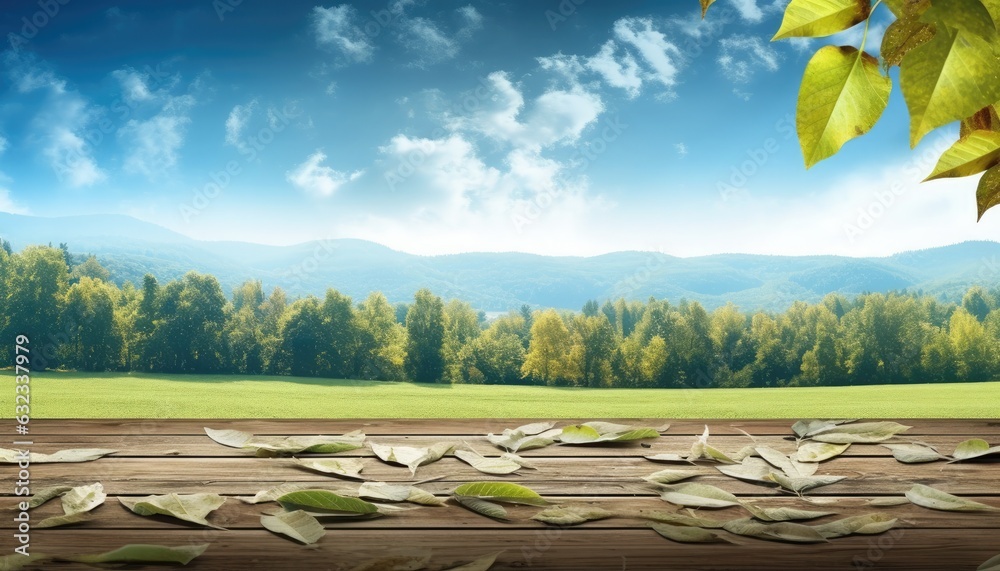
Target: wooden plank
(572,549)
(576,476)
(235,514)
(981,428)
(202,446)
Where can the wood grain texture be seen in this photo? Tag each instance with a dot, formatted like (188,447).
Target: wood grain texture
(163,456)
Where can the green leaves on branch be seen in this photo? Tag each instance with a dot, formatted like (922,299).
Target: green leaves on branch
(988,193)
(948,79)
(972,154)
(815,18)
(843,95)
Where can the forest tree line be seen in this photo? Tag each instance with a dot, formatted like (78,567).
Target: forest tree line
(78,319)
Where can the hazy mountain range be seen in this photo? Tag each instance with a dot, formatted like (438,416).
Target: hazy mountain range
(130,248)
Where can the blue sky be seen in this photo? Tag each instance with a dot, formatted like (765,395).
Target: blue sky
(556,127)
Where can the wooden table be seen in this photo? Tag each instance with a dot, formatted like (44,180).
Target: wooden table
(163,456)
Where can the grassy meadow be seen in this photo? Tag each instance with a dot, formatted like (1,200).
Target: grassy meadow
(104,395)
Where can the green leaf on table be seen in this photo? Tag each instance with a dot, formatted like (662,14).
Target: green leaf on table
(325,502)
(83,498)
(571,514)
(398,493)
(817,18)
(45,494)
(670,476)
(141,553)
(674,518)
(868,524)
(527,437)
(791,468)
(273,445)
(412,457)
(669,457)
(974,448)
(988,193)
(274,493)
(801,484)
(932,498)
(751,469)
(889,502)
(346,467)
(778,531)
(598,432)
(948,79)
(523,462)
(61,520)
(976,152)
(992,565)
(481,564)
(819,451)
(506,492)
(914,453)
(860,433)
(187,507)
(230,438)
(698,496)
(843,95)
(297,524)
(8,456)
(687,534)
(16,561)
(482,507)
(803,428)
(496,465)
(782,514)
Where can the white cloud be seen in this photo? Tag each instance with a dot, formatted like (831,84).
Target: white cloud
(423,37)
(661,55)
(155,133)
(749,10)
(681,149)
(237,121)
(134,85)
(331,88)
(3,144)
(623,73)
(558,116)
(61,123)
(318,179)
(335,29)
(155,144)
(8,205)
(740,57)
(471,21)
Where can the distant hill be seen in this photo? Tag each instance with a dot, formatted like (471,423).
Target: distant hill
(130,248)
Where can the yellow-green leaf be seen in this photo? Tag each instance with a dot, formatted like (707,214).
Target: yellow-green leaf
(481,506)
(903,35)
(988,194)
(141,553)
(815,18)
(966,15)
(481,564)
(704,7)
(819,451)
(973,154)
(501,492)
(323,501)
(187,507)
(16,561)
(571,514)
(948,79)
(297,524)
(974,448)
(843,95)
(985,119)
(687,534)
(932,498)
(869,524)
(992,565)
(778,531)
(698,496)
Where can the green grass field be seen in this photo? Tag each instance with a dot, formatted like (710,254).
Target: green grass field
(101,395)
